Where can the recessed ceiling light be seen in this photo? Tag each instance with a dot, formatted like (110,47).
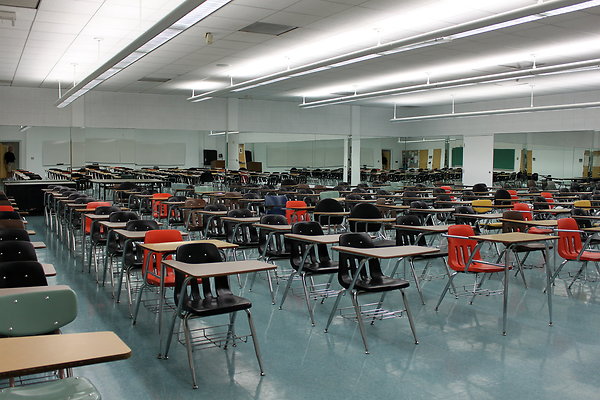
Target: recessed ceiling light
(268,29)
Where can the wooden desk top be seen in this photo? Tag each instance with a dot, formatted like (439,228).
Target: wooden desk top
(590,217)
(169,247)
(117,225)
(245,220)
(49,269)
(424,228)
(431,210)
(553,211)
(280,228)
(35,354)
(387,252)
(135,235)
(545,222)
(38,245)
(394,206)
(30,232)
(318,239)
(224,268)
(96,217)
(513,238)
(214,213)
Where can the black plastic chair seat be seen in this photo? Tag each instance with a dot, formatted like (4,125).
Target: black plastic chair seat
(380,284)
(437,254)
(224,303)
(319,269)
(384,243)
(530,247)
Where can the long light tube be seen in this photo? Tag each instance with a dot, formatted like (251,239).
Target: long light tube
(576,66)
(487,24)
(177,21)
(480,113)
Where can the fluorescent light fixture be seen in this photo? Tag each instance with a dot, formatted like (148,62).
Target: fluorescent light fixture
(221,133)
(203,99)
(177,21)
(401,140)
(521,110)
(577,66)
(487,24)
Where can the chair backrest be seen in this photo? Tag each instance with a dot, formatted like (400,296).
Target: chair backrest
(7,208)
(19,250)
(408,237)
(582,204)
(12,224)
(14,234)
(275,204)
(460,249)
(244,235)
(278,244)
(329,194)
(123,216)
(10,215)
(513,194)
(349,264)
(21,274)
(468,195)
(297,247)
(296,215)
(513,226)
(482,205)
(191,218)
(36,312)
(329,205)
(199,253)
(569,239)
(502,197)
(159,236)
(524,209)
(367,211)
(480,188)
(141,225)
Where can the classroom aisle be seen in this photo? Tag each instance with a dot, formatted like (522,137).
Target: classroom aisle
(461,354)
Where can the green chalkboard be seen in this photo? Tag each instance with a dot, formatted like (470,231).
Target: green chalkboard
(457,156)
(504,159)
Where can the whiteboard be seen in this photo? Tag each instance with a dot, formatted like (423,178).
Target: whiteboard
(56,152)
(102,150)
(160,153)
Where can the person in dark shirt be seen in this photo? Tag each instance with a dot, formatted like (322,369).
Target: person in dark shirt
(9,161)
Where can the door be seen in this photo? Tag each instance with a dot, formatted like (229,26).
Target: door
(423,159)
(386,159)
(242,155)
(437,158)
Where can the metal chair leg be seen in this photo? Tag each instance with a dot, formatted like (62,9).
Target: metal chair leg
(307,298)
(190,351)
(334,309)
(287,288)
(409,315)
(416,278)
(437,306)
(361,325)
(255,343)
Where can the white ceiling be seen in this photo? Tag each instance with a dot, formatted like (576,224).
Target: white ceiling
(63,40)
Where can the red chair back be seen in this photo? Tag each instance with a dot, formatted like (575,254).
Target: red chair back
(513,194)
(160,210)
(448,189)
(525,210)
(7,208)
(154,264)
(296,215)
(569,243)
(459,250)
(92,206)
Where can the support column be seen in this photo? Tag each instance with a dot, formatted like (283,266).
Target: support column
(232,160)
(478,159)
(355,131)
(346,166)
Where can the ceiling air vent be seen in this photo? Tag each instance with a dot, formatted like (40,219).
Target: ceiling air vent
(152,79)
(21,3)
(268,29)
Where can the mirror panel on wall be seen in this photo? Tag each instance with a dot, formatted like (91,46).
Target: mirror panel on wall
(431,152)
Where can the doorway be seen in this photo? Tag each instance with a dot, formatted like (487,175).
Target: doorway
(386,159)
(437,159)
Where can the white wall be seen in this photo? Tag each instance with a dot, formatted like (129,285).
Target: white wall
(477,162)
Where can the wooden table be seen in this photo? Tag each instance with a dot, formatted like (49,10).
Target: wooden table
(36,354)
(38,245)
(510,240)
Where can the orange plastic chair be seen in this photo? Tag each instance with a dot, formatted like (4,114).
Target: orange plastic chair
(296,215)
(92,206)
(571,248)
(462,258)
(160,210)
(549,198)
(513,194)
(7,208)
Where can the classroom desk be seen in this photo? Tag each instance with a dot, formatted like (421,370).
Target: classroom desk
(509,240)
(433,212)
(212,270)
(272,231)
(367,221)
(102,184)
(313,241)
(328,215)
(170,248)
(38,245)
(28,355)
